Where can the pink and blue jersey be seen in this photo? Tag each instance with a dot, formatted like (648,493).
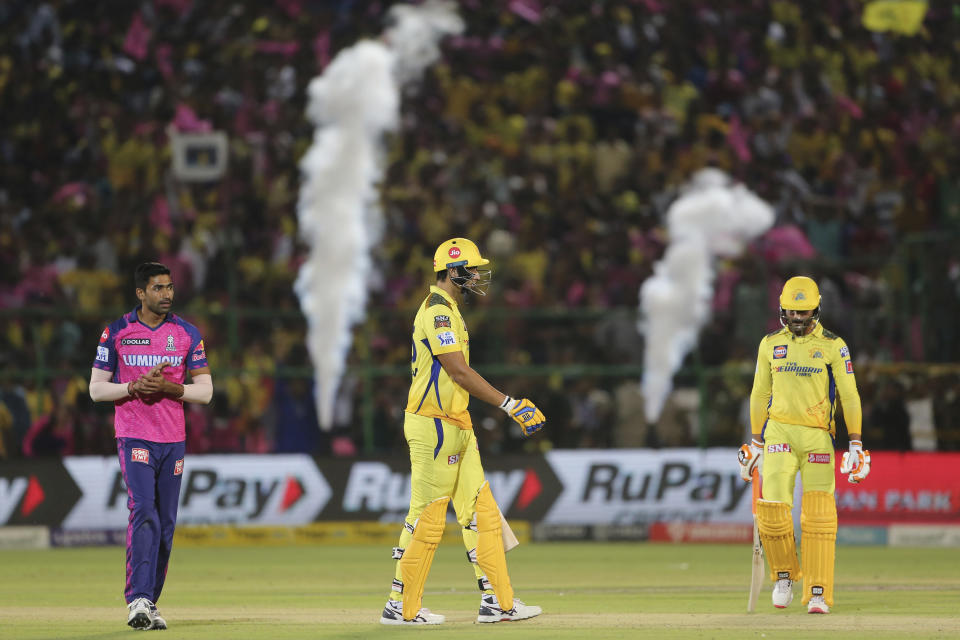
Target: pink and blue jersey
(129,348)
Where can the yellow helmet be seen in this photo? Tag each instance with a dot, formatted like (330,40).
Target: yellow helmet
(800,293)
(457,252)
(458,255)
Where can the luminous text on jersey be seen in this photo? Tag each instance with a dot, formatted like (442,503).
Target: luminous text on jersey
(144,360)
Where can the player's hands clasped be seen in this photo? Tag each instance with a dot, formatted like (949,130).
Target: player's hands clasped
(856,462)
(525,413)
(750,458)
(151,382)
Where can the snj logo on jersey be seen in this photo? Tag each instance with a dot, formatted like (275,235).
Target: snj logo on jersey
(454,252)
(780,352)
(454,459)
(802,372)
(782,447)
(818,458)
(140,455)
(144,360)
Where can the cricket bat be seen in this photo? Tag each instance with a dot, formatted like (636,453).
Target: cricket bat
(756,572)
(509,538)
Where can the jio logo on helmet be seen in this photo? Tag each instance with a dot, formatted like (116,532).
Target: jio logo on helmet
(454,252)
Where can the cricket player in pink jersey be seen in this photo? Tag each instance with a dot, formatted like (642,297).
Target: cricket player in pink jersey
(141,366)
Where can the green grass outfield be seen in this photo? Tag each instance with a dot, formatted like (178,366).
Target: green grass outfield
(587,590)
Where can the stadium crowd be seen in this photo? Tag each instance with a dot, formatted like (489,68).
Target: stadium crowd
(556,134)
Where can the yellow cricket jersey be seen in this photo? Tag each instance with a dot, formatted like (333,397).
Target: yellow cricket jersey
(799,379)
(438,328)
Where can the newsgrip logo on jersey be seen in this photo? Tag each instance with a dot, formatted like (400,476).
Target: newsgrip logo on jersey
(241,489)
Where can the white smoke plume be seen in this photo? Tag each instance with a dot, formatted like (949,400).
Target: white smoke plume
(712,218)
(352,105)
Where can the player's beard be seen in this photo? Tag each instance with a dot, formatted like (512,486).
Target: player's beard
(159,309)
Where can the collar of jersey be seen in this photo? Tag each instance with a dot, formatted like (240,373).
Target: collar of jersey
(133,317)
(437,290)
(816,333)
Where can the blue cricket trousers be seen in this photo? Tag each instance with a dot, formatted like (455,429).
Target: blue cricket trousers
(152,472)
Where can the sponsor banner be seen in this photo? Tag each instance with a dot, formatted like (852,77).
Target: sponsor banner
(523,486)
(738,532)
(589,532)
(910,487)
(862,536)
(631,486)
(238,489)
(87,537)
(38,492)
(26,537)
(920,535)
(318,533)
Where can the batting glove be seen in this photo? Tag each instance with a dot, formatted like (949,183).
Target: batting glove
(524,413)
(749,457)
(856,462)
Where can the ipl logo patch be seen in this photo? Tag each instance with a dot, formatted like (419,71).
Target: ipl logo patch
(171,346)
(849,366)
(446,338)
(780,352)
(178,467)
(140,455)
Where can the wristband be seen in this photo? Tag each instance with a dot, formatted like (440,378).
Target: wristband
(507,404)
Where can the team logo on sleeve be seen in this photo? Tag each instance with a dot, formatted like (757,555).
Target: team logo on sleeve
(441,321)
(849,366)
(140,455)
(844,352)
(171,345)
(446,338)
(178,467)
(104,335)
(780,352)
(102,354)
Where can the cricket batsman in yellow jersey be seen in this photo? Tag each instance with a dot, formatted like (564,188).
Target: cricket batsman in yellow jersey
(444,458)
(802,371)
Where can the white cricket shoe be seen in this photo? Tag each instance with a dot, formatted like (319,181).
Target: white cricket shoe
(157,621)
(817,605)
(783,593)
(139,617)
(490,610)
(393,614)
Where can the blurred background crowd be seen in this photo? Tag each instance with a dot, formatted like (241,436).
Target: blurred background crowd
(554,134)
